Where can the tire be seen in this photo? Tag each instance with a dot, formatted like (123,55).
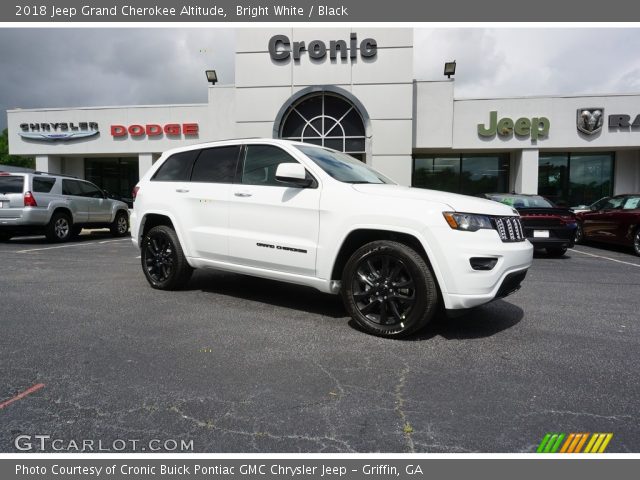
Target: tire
(120,225)
(163,262)
(579,238)
(389,290)
(60,228)
(4,237)
(636,241)
(556,252)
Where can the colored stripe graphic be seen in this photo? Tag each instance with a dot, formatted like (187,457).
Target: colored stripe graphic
(573,443)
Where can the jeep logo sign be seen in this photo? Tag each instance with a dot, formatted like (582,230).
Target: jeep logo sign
(281,48)
(535,127)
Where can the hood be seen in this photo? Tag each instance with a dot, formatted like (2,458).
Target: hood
(456,202)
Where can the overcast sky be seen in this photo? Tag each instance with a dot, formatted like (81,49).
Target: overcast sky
(88,67)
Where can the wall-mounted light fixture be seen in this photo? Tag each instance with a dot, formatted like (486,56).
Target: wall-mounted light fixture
(212,77)
(450,68)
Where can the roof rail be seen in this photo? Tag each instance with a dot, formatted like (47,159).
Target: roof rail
(37,172)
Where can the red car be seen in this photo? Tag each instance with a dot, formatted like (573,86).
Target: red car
(545,225)
(616,221)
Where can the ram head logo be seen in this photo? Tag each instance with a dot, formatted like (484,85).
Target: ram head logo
(589,120)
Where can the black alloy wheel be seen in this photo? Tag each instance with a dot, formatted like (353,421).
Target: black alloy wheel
(388,289)
(163,261)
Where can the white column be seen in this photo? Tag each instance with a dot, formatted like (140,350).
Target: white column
(48,163)
(145,160)
(627,172)
(526,171)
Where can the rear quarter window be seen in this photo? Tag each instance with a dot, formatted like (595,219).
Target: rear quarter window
(216,165)
(176,168)
(43,184)
(11,184)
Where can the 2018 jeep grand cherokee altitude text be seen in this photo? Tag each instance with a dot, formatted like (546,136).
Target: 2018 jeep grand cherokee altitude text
(309,215)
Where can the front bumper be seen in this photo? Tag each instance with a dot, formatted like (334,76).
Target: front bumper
(463,287)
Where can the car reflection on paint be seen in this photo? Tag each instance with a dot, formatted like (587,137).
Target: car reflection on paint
(546,225)
(616,221)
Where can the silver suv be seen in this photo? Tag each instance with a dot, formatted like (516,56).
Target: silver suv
(57,206)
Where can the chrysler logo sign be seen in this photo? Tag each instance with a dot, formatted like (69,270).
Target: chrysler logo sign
(50,132)
(589,120)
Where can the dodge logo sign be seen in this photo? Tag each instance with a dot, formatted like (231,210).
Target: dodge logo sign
(589,120)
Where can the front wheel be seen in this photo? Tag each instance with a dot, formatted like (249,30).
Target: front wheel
(163,262)
(636,242)
(388,289)
(120,225)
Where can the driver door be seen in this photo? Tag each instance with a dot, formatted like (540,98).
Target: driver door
(272,225)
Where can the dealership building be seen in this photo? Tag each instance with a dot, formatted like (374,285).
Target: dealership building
(354,90)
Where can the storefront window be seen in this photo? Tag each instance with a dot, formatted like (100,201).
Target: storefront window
(117,176)
(328,120)
(575,178)
(467,174)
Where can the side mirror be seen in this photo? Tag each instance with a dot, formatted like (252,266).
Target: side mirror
(293,174)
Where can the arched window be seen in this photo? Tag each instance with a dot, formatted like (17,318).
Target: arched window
(325,119)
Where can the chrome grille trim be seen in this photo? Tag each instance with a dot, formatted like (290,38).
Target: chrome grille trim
(509,229)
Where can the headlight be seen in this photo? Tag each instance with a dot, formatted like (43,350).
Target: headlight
(469,222)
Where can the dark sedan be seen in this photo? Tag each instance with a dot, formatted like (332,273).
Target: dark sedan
(617,221)
(545,225)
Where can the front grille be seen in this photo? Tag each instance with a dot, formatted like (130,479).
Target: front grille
(509,229)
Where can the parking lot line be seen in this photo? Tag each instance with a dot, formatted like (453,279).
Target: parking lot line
(71,245)
(606,258)
(28,391)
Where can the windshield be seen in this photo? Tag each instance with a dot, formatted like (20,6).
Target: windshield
(343,167)
(523,201)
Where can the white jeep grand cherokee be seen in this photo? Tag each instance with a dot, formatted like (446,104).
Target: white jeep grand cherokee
(309,215)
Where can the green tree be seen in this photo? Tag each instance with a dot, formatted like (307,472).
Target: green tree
(15,160)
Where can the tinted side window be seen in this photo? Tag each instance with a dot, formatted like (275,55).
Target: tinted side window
(216,165)
(261,162)
(71,187)
(177,168)
(43,184)
(632,203)
(90,190)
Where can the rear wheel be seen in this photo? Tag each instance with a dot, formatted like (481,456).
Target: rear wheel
(388,289)
(59,229)
(120,225)
(636,242)
(556,251)
(163,262)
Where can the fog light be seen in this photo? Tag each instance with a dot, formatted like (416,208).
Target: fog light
(483,263)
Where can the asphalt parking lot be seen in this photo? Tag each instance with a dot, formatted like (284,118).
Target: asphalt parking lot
(238,364)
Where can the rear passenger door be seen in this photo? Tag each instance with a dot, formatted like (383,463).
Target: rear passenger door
(204,210)
(272,225)
(79,205)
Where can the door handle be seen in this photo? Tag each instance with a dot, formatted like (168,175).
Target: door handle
(242,194)
(182,190)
